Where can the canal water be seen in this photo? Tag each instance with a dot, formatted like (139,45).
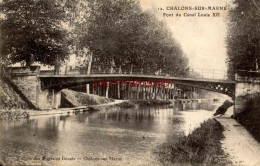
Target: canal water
(106,137)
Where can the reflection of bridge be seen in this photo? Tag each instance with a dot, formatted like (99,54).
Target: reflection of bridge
(59,82)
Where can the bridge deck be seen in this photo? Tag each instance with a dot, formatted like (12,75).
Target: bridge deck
(125,76)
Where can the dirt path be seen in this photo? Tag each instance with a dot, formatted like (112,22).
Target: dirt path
(238,143)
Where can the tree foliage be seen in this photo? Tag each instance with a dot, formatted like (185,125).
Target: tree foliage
(120,32)
(244,36)
(114,32)
(32,31)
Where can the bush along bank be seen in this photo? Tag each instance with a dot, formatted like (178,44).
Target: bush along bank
(13,114)
(9,99)
(126,104)
(201,147)
(250,116)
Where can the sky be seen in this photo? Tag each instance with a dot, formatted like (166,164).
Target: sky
(201,38)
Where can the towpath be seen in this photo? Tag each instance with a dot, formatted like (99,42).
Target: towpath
(239,144)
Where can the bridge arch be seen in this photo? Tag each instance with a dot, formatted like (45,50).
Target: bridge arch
(59,82)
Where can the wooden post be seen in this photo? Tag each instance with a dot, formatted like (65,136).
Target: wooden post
(123,90)
(99,90)
(150,92)
(130,90)
(53,97)
(143,94)
(155,92)
(170,91)
(107,89)
(137,92)
(118,89)
(164,93)
(93,89)
(167,93)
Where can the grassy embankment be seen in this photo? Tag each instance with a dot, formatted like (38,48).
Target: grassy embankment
(72,98)
(11,105)
(250,117)
(201,147)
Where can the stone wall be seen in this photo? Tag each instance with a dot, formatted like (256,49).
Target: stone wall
(9,99)
(247,83)
(27,81)
(28,86)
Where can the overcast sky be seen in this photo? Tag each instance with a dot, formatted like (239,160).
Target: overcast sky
(202,39)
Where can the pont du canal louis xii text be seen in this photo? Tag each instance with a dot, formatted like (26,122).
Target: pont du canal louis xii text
(194,14)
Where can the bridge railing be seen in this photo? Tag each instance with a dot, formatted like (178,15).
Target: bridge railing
(191,73)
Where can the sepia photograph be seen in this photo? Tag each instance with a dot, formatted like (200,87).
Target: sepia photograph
(129,83)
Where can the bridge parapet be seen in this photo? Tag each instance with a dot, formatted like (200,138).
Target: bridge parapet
(189,73)
(23,71)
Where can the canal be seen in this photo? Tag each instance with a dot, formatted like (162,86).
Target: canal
(106,137)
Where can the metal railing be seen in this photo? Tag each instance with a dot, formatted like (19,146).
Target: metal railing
(191,73)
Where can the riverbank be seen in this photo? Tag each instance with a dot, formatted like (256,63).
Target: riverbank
(71,98)
(9,99)
(17,114)
(202,147)
(238,142)
(6,114)
(250,114)
(71,102)
(13,114)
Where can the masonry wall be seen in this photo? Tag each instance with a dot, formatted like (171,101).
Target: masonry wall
(28,86)
(27,81)
(247,83)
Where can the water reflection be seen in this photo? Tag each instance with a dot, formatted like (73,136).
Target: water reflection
(195,106)
(130,134)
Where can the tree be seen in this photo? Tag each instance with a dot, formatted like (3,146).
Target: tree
(243,37)
(32,32)
(120,33)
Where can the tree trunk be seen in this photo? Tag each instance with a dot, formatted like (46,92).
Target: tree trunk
(57,67)
(137,92)
(89,64)
(28,62)
(256,64)
(120,70)
(66,69)
(131,69)
(111,71)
